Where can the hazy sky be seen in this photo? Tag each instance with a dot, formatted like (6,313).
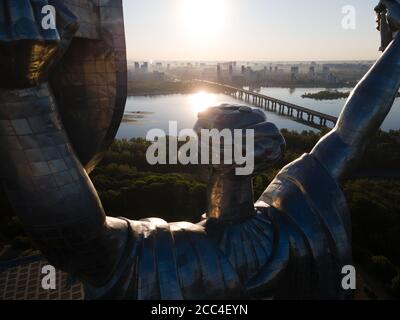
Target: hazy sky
(249,30)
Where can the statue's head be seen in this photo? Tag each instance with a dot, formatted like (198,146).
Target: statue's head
(268,146)
(388,20)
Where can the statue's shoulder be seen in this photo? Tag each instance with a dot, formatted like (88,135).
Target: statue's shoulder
(176,261)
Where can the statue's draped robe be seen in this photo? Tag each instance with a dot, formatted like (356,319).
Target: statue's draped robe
(295,247)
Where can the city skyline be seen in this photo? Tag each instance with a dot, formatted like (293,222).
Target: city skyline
(252,30)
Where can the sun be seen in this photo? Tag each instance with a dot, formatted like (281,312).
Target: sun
(203,18)
(202,100)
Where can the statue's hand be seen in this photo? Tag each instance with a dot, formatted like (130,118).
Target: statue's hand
(269,144)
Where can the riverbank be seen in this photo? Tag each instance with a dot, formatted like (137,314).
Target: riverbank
(158,88)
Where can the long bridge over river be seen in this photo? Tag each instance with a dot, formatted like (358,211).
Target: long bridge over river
(300,114)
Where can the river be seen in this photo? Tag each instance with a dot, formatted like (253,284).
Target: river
(145,113)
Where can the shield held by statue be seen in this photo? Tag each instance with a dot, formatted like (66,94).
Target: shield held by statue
(90,81)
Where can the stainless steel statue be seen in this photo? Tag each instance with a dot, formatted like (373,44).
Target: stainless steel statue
(61,100)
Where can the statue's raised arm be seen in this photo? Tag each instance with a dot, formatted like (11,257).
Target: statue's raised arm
(369,103)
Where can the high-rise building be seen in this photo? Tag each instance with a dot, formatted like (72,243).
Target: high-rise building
(145,67)
(294,70)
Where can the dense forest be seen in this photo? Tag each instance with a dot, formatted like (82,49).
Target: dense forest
(129,187)
(329,95)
